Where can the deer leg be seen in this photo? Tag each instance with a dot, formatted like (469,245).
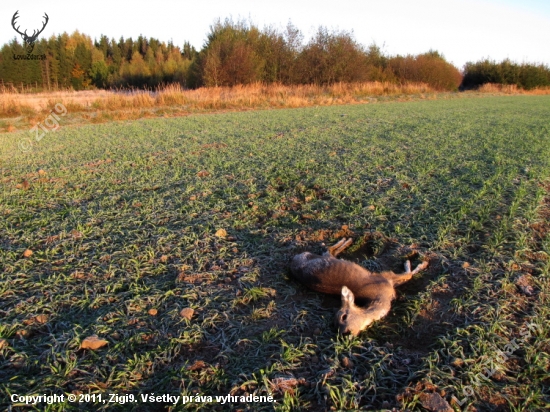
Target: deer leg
(408,274)
(331,249)
(419,268)
(339,247)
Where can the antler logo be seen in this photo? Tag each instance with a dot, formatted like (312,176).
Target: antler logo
(29,40)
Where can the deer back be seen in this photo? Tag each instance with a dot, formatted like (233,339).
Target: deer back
(327,274)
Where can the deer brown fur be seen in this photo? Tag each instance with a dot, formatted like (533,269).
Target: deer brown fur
(324,273)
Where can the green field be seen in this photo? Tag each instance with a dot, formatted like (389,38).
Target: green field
(123,221)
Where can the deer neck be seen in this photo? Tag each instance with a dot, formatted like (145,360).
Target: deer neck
(377,309)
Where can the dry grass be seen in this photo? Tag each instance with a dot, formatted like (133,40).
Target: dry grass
(24,110)
(277,95)
(511,89)
(102,105)
(12,102)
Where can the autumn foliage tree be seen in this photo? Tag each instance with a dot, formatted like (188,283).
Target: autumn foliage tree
(230,56)
(235,52)
(330,58)
(430,68)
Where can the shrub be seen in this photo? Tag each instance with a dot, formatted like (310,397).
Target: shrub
(526,76)
(229,57)
(331,58)
(430,68)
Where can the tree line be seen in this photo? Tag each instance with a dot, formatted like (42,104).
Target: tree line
(241,53)
(526,76)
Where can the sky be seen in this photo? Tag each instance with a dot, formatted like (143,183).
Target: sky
(462,30)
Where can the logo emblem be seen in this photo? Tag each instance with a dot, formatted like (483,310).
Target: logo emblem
(29,40)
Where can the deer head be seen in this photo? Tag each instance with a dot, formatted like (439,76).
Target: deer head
(354,319)
(29,40)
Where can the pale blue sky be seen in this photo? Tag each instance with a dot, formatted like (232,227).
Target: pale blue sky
(463,30)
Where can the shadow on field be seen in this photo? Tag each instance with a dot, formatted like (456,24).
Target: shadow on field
(315,311)
(279,334)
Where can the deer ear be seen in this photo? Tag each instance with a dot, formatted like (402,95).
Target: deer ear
(347,296)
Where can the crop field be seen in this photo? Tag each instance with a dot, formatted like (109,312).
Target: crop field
(169,240)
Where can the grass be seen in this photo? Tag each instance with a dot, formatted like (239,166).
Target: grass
(131,224)
(21,111)
(24,110)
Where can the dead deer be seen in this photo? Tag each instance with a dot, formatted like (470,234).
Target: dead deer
(334,276)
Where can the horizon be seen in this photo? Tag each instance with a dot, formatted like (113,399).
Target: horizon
(498,30)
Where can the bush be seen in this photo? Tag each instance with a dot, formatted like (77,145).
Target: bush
(331,58)
(229,57)
(430,68)
(526,76)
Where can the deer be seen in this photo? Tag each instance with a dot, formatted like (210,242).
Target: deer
(327,274)
(29,40)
